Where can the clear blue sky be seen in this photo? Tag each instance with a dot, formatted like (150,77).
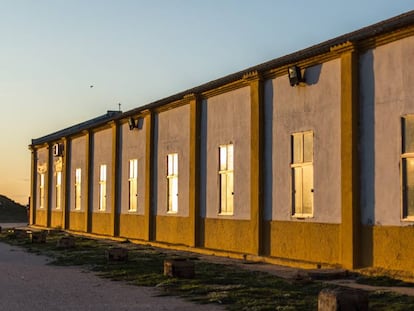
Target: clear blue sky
(135,52)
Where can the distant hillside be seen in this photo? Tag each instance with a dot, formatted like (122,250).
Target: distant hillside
(11,211)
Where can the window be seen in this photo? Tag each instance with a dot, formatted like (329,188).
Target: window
(172,181)
(407,167)
(58,189)
(42,191)
(102,188)
(133,185)
(78,180)
(226,165)
(302,174)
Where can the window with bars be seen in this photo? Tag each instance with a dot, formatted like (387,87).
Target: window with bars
(172,182)
(407,167)
(58,189)
(42,191)
(133,185)
(226,179)
(78,187)
(302,174)
(102,188)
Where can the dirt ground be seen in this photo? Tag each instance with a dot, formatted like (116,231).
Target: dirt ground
(27,283)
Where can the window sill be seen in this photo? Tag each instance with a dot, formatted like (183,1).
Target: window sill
(225,214)
(172,213)
(302,216)
(408,219)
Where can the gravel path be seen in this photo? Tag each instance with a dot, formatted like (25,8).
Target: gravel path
(27,283)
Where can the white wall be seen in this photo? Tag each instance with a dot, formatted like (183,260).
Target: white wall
(132,146)
(316,107)
(226,119)
(172,136)
(387,93)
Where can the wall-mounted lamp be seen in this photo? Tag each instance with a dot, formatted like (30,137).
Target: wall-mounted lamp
(135,123)
(295,76)
(132,124)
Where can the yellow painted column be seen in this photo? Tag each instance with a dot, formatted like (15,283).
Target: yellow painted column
(115,179)
(194,186)
(256,154)
(149,221)
(89,180)
(65,185)
(33,188)
(350,205)
(48,183)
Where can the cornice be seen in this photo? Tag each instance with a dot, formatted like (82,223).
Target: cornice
(224,89)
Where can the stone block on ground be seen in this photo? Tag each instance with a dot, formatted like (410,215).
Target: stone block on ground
(66,242)
(117,254)
(342,299)
(38,236)
(179,268)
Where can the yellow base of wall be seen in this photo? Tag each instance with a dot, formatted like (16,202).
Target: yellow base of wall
(77,221)
(388,247)
(132,226)
(303,241)
(229,235)
(102,224)
(56,220)
(173,229)
(41,218)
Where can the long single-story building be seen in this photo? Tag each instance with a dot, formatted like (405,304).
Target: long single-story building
(305,160)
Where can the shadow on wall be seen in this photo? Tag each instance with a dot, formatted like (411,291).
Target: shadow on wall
(312,74)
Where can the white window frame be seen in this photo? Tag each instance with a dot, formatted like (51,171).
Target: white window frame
(406,155)
(58,189)
(102,187)
(78,189)
(226,179)
(133,185)
(172,183)
(298,166)
(42,190)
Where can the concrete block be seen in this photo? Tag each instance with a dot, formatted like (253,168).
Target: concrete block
(179,268)
(38,236)
(117,254)
(342,299)
(66,242)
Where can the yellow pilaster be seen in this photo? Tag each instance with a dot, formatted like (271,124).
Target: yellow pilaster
(33,188)
(65,186)
(194,186)
(256,122)
(48,183)
(149,221)
(115,179)
(89,180)
(350,225)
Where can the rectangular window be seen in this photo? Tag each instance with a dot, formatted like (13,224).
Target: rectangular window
(226,179)
(302,174)
(133,185)
(78,180)
(407,167)
(58,189)
(42,191)
(102,188)
(172,181)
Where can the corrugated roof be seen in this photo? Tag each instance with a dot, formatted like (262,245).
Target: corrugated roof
(386,26)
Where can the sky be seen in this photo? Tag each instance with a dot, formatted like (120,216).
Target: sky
(135,52)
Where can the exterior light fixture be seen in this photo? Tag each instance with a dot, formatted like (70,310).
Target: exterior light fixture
(135,124)
(295,76)
(132,124)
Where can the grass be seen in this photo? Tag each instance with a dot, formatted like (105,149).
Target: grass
(235,288)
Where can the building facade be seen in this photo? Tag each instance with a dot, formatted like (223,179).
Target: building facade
(305,160)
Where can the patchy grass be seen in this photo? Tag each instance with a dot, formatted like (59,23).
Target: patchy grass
(235,288)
